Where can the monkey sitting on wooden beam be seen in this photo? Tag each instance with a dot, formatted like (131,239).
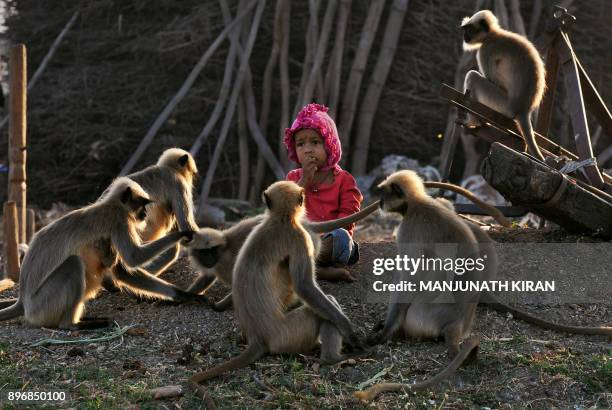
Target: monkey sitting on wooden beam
(59,272)
(511,74)
(213,252)
(276,263)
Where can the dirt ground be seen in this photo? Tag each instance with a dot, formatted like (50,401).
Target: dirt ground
(518,366)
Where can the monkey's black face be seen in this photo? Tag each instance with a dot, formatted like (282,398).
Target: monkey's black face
(142,213)
(475,33)
(392,198)
(207,257)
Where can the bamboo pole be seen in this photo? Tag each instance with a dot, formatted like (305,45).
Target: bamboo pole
(182,92)
(11,244)
(17,136)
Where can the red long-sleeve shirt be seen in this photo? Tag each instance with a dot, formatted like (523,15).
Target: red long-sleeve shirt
(331,201)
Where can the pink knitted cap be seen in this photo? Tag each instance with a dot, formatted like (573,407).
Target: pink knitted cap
(314,116)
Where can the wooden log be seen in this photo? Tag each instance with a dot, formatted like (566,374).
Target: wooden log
(11,243)
(17,136)
(546,192)
(30,224)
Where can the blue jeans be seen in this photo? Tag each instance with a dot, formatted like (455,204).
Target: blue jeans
(345,250)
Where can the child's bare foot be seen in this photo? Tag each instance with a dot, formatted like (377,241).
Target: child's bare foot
(334,274)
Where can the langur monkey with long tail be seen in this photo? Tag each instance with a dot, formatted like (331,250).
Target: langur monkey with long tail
(213,252)
(59,272)
(510,77)
(276,262)
(404,192)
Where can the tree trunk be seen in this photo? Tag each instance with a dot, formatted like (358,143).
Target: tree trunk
(379,76)
(526,182)
(351,92)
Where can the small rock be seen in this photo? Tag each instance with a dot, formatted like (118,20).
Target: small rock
(166,392)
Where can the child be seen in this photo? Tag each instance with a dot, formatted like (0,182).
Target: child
(331,192)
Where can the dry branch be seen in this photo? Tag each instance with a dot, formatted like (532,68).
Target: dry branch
(321,48)
(351,92)
(379,76)
(226,83)
(267,91)
(243,150)
(242,71)
(193,75)
(334,69)
(312,35)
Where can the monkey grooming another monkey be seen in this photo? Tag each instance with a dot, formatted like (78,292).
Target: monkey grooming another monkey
(214,252)
(275,263)
(427,223)
(55,283)
(511,77)
(169,184)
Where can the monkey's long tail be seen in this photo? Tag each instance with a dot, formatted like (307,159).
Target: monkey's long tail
(494,212)
(526,129)
(14,309)
(469,349)
(327,226)
(248,356)
(527,317)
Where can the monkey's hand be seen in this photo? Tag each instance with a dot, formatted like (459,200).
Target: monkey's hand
(187,237)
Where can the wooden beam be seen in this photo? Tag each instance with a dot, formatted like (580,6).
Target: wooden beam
(17,136)
(546,106)
(546,192)
(594,103)
(580,125)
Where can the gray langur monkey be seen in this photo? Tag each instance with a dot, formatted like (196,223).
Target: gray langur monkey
(490,300)
(213,252)
(169,184)
(426,225)
(63,268)
(511,77)
(276,262)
